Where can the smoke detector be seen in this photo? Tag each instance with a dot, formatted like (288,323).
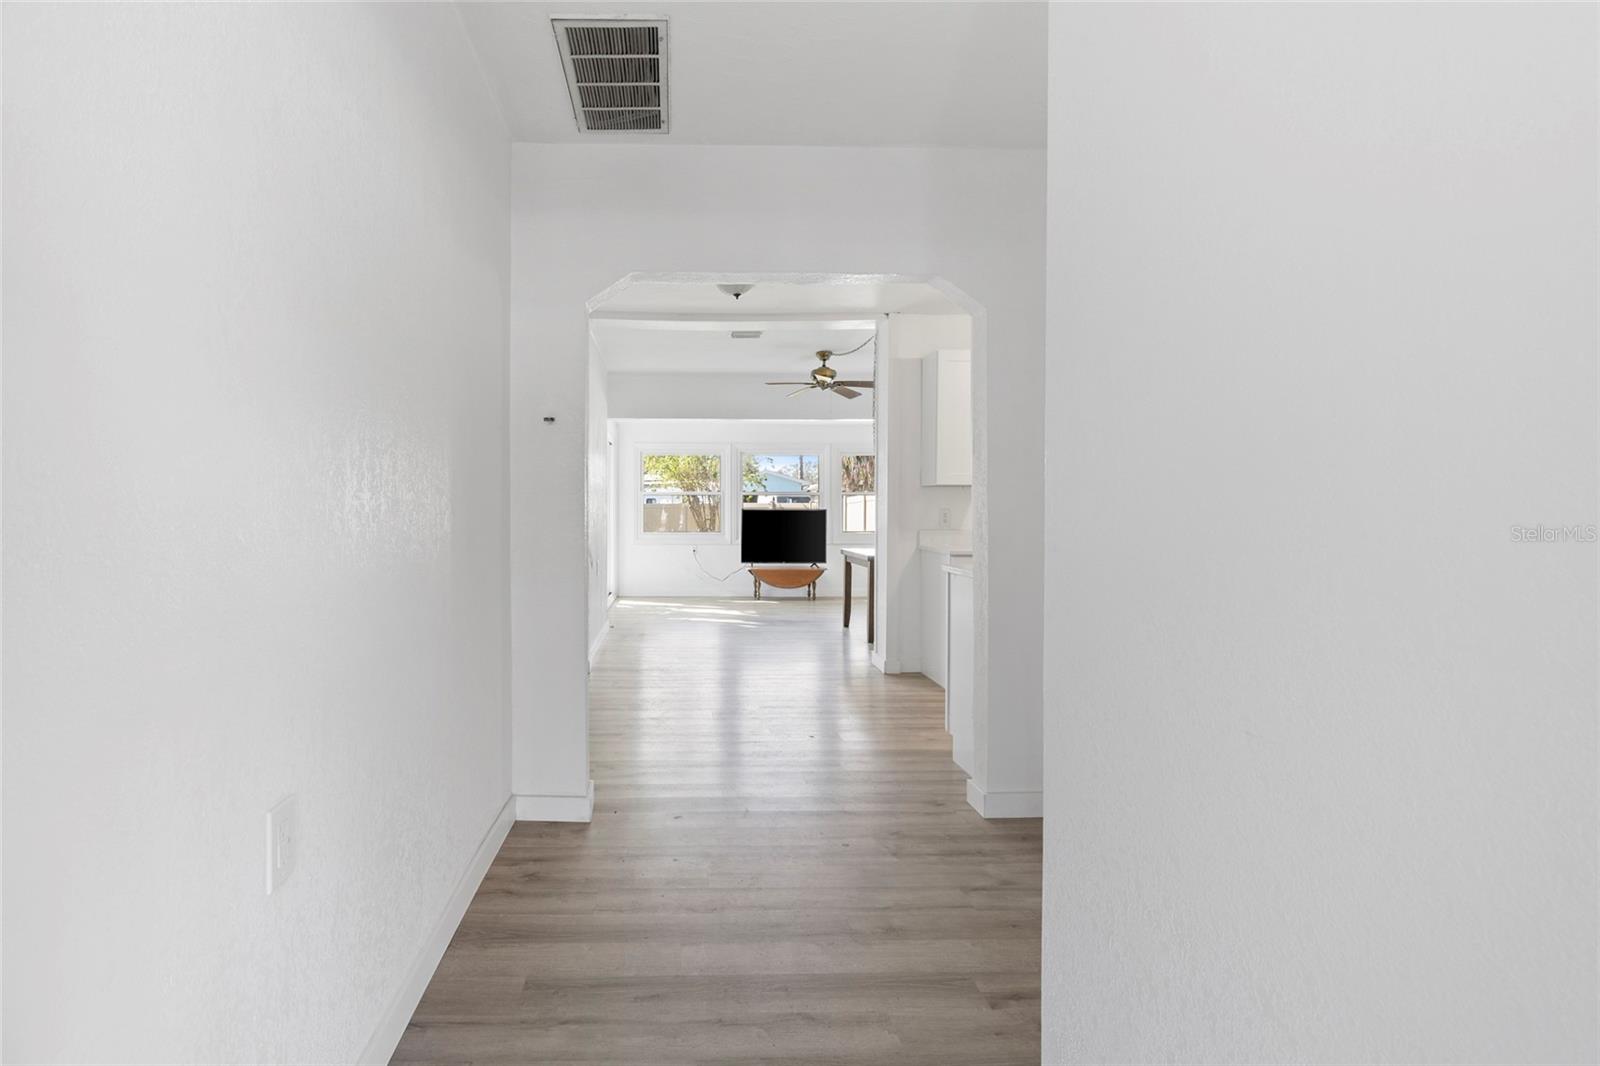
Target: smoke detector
(616,73)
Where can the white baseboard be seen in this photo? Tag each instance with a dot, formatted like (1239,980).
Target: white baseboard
(395,1019)
(594,649)
(1005,804)
(556,808)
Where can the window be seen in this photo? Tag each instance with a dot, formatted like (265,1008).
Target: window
(858,485)
(780,481)
(680,493)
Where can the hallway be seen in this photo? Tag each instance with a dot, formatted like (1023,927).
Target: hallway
(781,867)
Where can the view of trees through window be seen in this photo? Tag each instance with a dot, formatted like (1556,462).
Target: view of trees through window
(682,493)
(780,481)
(858,488)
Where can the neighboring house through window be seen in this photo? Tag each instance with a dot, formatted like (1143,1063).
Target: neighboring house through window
(780,481)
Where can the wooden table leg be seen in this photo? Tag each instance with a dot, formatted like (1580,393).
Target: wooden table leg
(757,582)
(872,601)
(847,569)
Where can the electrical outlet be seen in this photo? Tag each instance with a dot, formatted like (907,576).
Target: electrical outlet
(944,518)
(283,837)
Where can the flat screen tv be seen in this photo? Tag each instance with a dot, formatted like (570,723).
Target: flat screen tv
(771,536)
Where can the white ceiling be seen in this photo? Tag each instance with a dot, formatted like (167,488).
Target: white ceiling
(784,353)
(782,73)
(862,296)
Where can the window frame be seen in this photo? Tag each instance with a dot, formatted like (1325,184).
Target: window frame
(643,536)
(824,454)
(850,536)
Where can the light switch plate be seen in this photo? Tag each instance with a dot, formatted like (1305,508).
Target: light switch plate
(283,833)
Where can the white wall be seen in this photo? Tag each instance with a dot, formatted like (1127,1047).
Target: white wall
(663,566)
(915,506)
(598,502)
(714,395)
(586,215)
(255,271)
(1322,736)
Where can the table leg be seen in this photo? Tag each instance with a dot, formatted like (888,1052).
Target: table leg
(757,582)
(872,601)
(847,569)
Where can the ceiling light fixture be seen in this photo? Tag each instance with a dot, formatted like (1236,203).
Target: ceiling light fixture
(735,291)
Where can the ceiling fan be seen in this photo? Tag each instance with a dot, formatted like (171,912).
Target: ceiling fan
(825,378)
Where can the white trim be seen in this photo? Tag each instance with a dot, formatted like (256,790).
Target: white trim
(1005,804)
(380,1047)
(707,322)
(634,419)
(959,299)
(605,630)
(556,808)
(885,599)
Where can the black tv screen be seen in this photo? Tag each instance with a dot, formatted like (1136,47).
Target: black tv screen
(783,536)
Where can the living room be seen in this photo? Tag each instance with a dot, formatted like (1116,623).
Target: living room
(797,398)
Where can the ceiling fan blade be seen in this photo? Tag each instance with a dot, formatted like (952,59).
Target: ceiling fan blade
(854,384)
(807,384)
(803,388)
(847,393)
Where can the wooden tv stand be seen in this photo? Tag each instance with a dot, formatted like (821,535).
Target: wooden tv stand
(788,577)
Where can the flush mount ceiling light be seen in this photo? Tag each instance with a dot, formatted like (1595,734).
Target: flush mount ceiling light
(735,291)
(746,334)
(616,73)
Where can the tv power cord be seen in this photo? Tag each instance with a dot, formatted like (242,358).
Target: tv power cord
(696,553)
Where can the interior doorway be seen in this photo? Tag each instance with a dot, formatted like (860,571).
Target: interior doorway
(782,819)
(679,376)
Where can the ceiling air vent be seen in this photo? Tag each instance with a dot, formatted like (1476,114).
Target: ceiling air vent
(616,73)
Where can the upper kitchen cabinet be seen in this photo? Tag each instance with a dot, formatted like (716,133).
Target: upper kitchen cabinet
(947,418)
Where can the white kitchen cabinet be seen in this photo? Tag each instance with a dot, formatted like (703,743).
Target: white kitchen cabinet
(958,691)
(938,549)
(947,418)
(935,636)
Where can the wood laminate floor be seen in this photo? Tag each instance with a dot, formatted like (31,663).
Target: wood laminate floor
(782,867)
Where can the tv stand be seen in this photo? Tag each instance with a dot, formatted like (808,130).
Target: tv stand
(788,577)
